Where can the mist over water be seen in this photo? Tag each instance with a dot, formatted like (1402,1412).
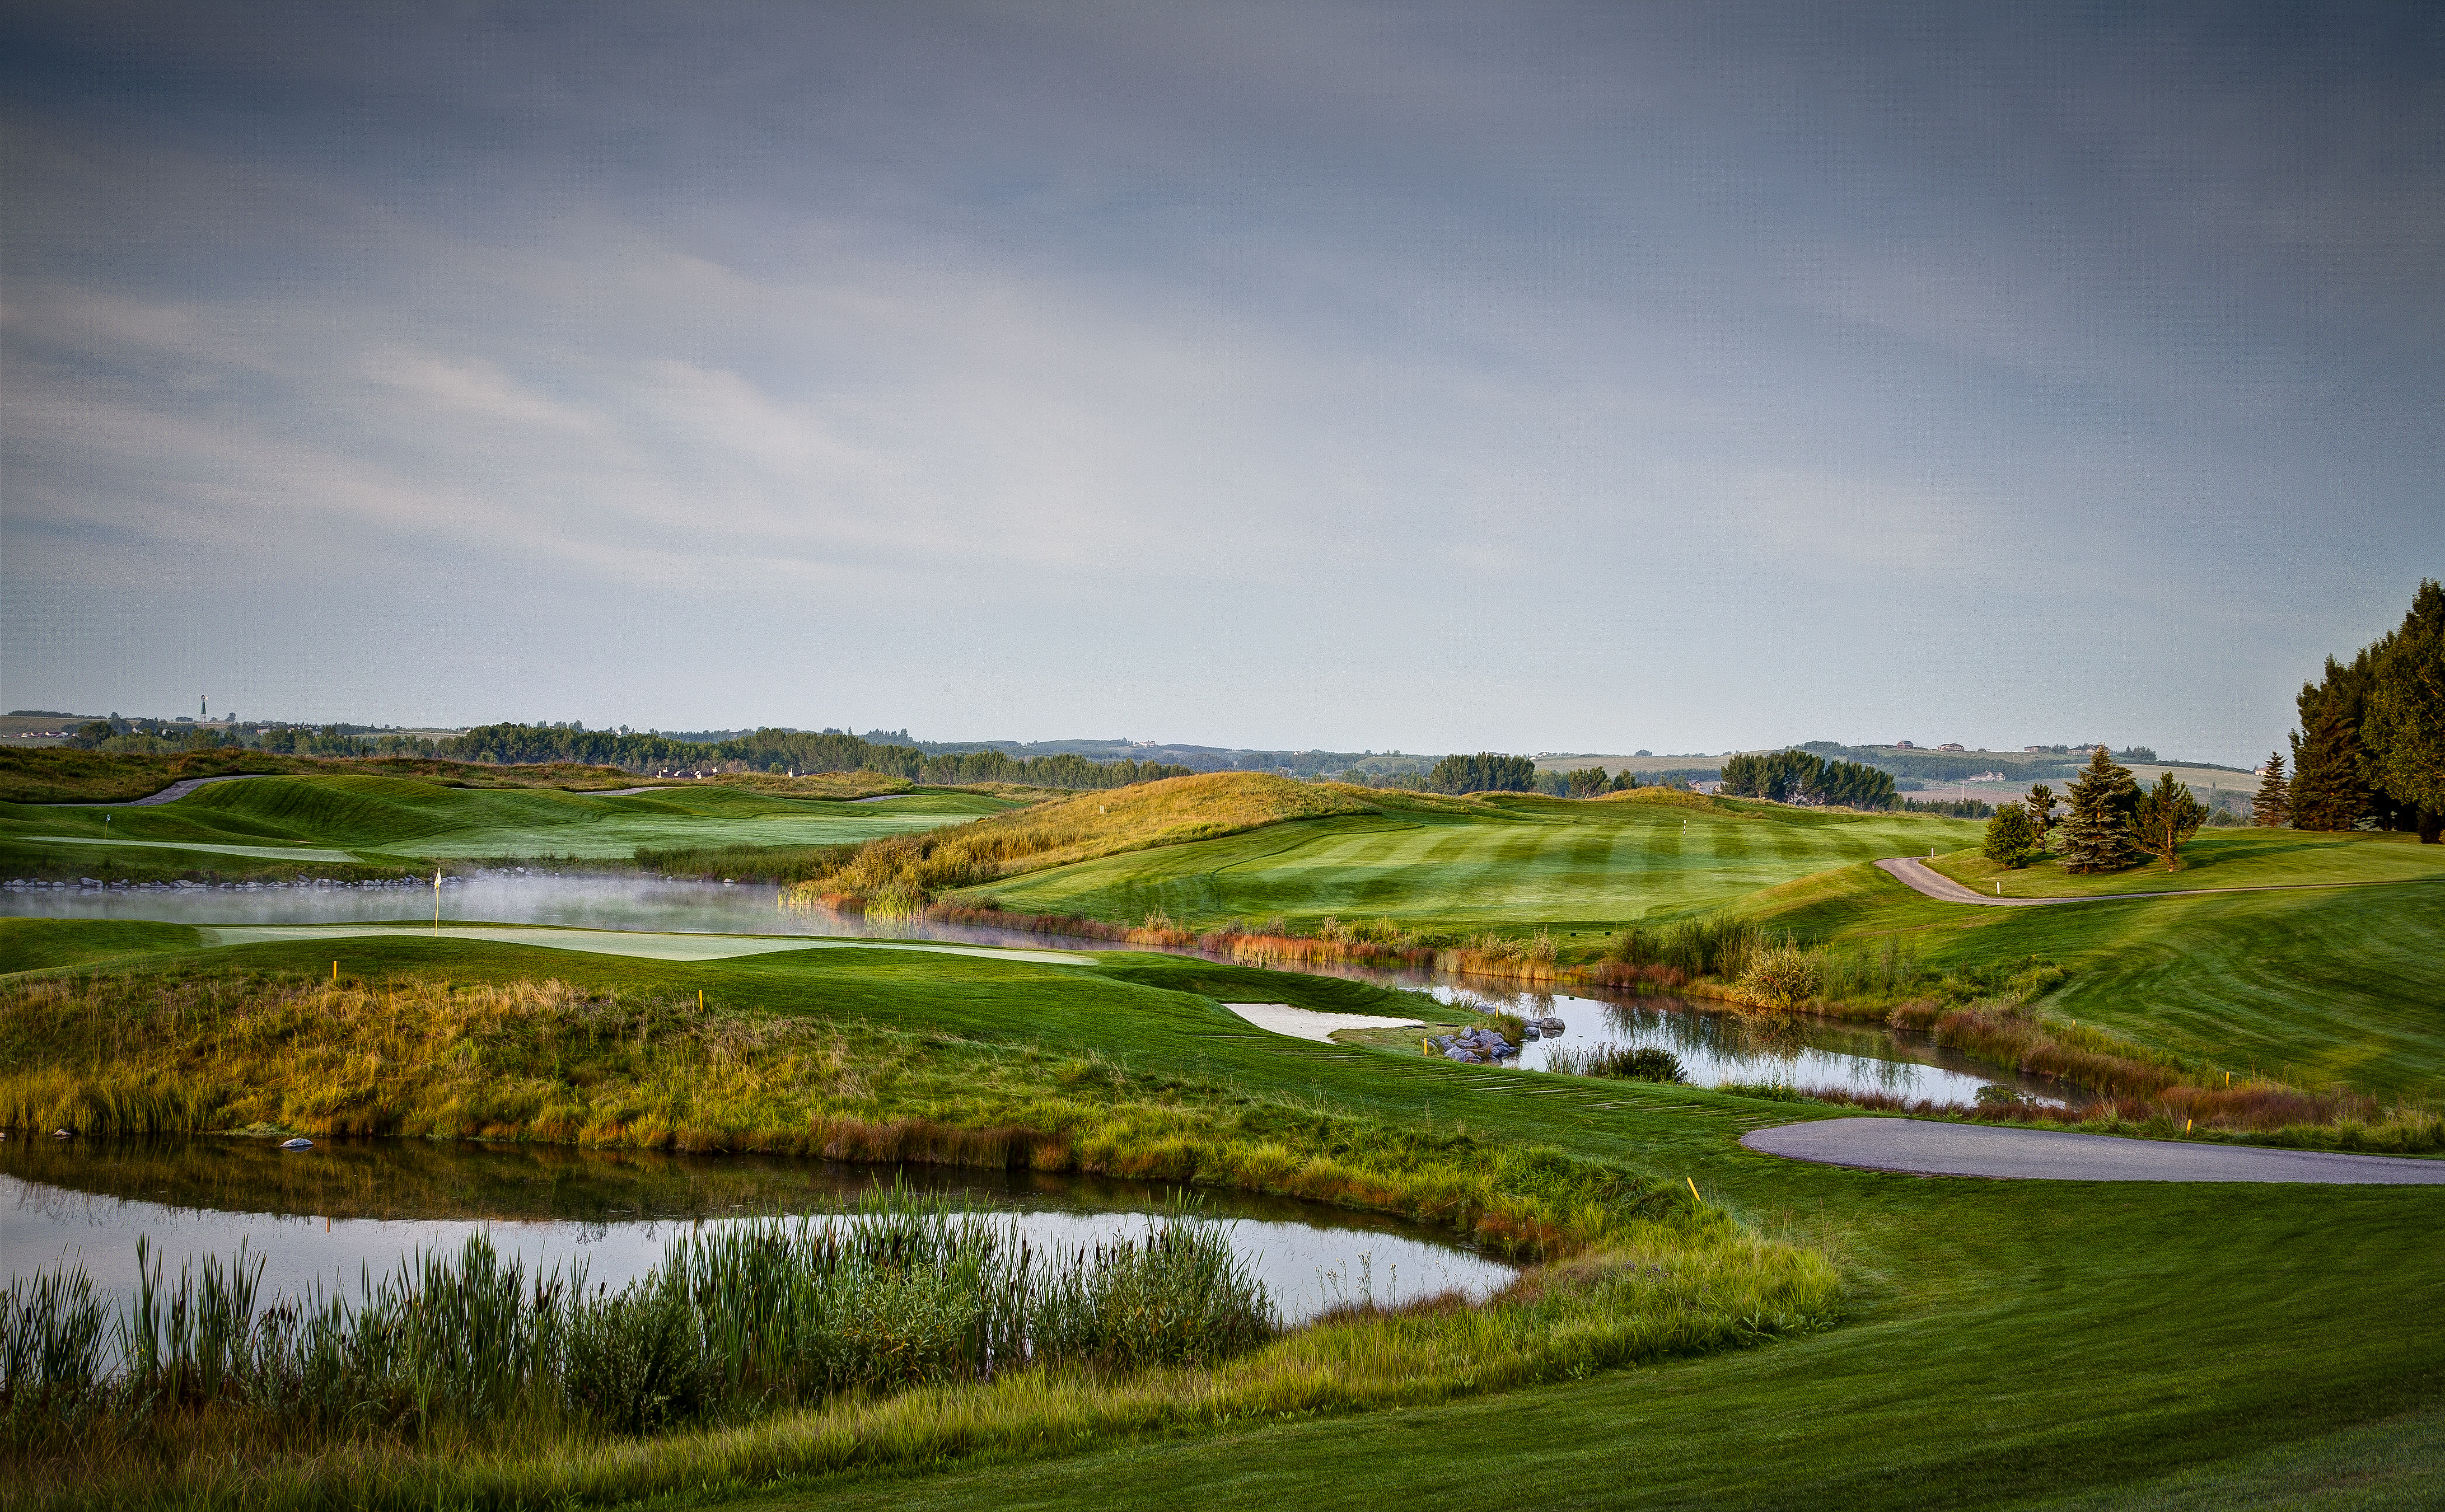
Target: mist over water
(1715,1047)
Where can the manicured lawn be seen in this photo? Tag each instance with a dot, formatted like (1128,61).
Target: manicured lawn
(1517,862)
(2312,986)
(313,818)
(2222,858)
(2007,1344)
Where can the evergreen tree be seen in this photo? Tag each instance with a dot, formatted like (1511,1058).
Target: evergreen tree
(2165,816)
(2097,836)
(2404,723)
(2010,837)
(2273,805)
(2327,792)
(2042,811)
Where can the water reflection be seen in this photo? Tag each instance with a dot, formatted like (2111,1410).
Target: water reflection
(333,1213)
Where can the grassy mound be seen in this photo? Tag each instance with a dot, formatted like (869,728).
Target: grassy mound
(1178,810)
(382,818)
(60,774)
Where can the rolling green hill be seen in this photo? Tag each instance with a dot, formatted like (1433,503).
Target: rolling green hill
(1500,861)
(2314,986)
(269,818)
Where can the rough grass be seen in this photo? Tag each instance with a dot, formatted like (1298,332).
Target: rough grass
(906,873)
(545,1060)
(1657,1273)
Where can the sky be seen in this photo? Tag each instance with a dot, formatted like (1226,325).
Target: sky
(1410,376)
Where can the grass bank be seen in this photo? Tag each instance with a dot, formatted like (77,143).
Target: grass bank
(1645,1272)
(2040,1344)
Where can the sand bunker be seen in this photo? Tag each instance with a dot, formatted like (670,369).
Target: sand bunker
(1304,1023)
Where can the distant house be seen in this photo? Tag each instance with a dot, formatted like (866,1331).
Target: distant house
(1904,745)
(1952,745)
(2032,750)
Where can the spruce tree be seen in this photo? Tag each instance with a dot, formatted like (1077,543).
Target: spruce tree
(2097,836)
(2042,812)
(2165,816)
(2404,725)
(2327,792)
(2273,805)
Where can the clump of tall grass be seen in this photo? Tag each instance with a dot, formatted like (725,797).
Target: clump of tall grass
(734,1323)
(1782,977)
(1695,947)
(1638,1063)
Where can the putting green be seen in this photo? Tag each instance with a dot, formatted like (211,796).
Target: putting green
(625,942)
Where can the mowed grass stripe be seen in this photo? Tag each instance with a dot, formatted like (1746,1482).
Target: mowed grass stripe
(1532,861)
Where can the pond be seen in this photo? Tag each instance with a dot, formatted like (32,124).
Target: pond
(344,1207)
(1716,1045)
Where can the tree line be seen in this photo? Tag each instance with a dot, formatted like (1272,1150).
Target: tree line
(2370,751)
(1806,778)
(2110,824)
(799,750)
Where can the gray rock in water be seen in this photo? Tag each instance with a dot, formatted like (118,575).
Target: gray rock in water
(297,1144)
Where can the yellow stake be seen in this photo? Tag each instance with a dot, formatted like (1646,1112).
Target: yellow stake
(699,1000)
(335,972)
(1693,1191)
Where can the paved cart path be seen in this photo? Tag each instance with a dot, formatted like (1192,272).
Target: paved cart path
(2043,1154)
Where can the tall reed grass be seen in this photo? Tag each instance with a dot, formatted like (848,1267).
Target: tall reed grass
(736,1322)
(1696,947)
(1691,1285)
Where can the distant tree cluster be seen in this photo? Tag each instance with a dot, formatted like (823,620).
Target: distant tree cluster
(2370,751)
(1804,776)
(1486,772)
(799,750)
(2110,825)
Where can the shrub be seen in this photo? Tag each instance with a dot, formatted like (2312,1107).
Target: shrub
(2011,839)
(1628,1063)
(1697,947)
(1784,976)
